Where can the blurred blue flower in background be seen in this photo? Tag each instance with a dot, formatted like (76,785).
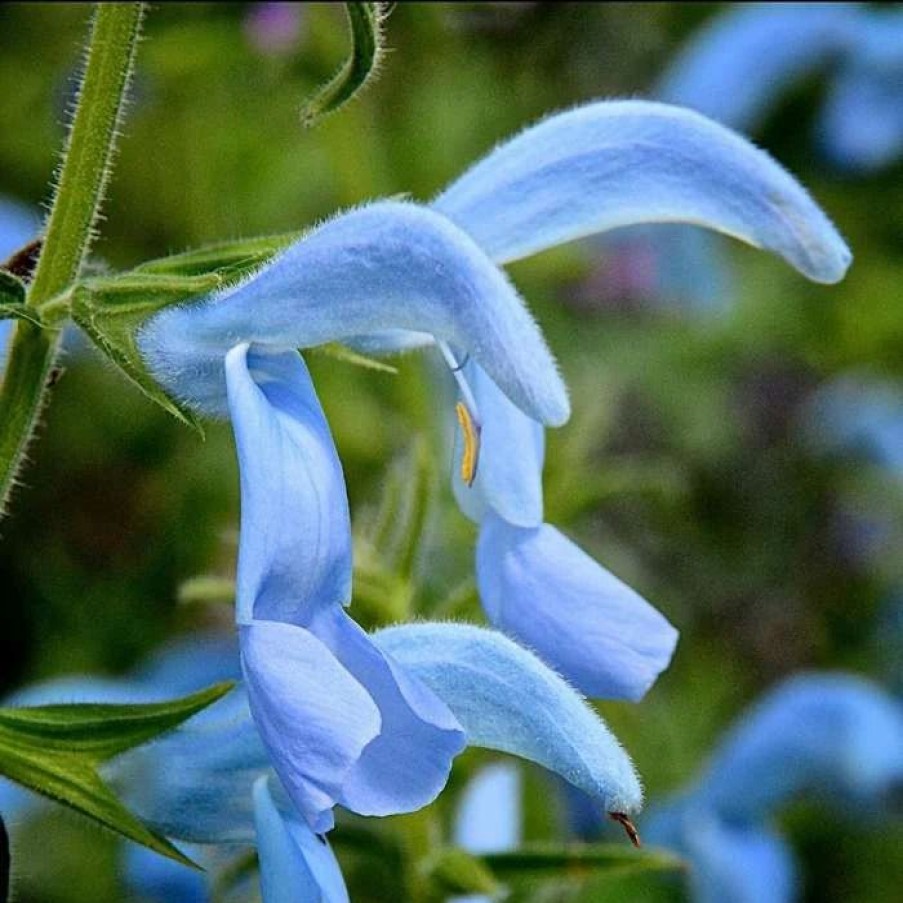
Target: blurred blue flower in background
(832,737)
(858,413)
(736,69)
(489,816)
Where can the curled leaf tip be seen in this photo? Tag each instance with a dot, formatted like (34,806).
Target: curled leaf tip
(629,827)
(365,21)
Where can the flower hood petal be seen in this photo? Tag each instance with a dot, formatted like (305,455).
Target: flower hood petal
(388,265)
(620,163)
(508,700)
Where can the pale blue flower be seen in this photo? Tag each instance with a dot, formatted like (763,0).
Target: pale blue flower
(835,737)
(507,700)
(210,783)
(595,168)
(352,723)
(342,722)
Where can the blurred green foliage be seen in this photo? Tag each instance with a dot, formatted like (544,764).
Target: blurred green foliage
(683,468)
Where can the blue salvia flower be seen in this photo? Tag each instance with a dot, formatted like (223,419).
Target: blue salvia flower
(381,741)
(210,783)
(205,783)
(592,169)
(595,168)
(833,736)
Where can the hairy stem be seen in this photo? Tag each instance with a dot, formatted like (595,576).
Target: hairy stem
(79,193)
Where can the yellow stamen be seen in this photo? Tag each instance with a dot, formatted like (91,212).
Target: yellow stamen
(470,429)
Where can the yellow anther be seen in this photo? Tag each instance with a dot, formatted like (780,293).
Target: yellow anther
(470,429)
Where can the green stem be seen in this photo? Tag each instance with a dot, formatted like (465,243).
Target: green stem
(79,193)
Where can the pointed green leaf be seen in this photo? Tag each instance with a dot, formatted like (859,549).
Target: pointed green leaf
(365,22)
(98,731)
(111,311)
(228,258)
(67,779)
(55,750)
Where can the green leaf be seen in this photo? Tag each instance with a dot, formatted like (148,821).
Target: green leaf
(455,871)
(99,731)
(365,21)
(12,289)
(582,861)
(55,750)
(13,310)
(234,258)
(112,310)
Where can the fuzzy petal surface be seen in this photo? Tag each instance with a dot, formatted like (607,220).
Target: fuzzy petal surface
(507,699)
(620,163)
(388,265)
